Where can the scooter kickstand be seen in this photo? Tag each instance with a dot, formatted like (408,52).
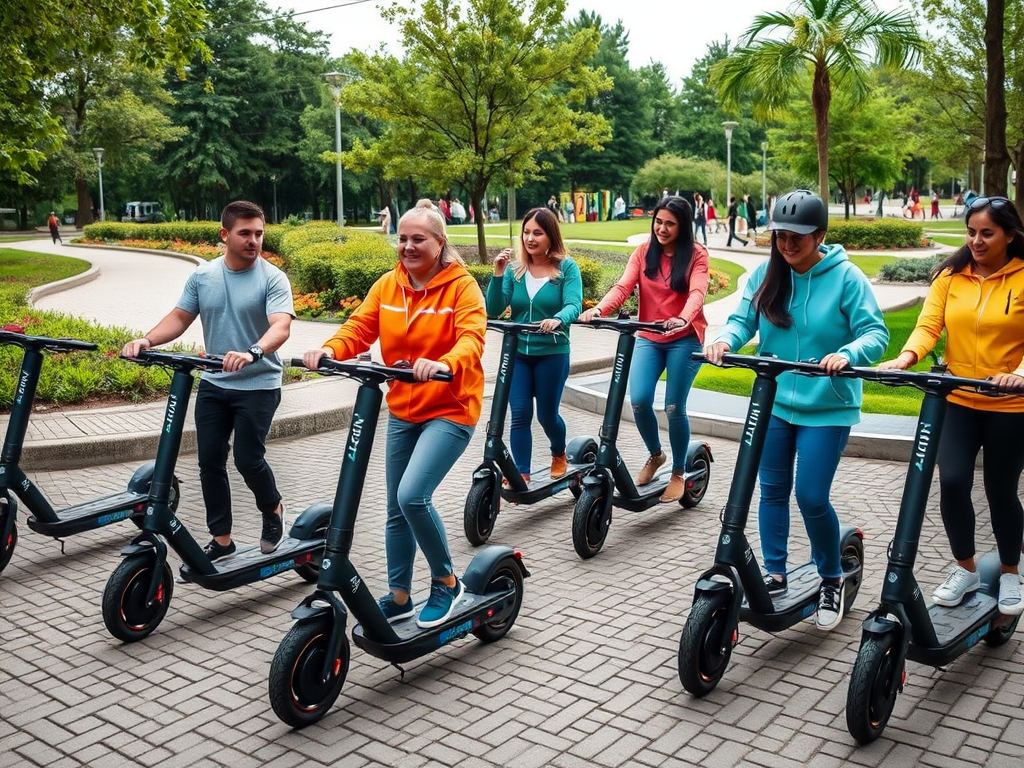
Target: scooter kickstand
(401,672)
(61,542)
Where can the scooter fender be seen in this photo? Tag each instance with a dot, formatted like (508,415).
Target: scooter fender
(326,604)
(306,524)
(719,579)
(142,478)
(483,565)
(597,480)
(486,472)
(9,517)
(881,622)
(695,448)
(147,543)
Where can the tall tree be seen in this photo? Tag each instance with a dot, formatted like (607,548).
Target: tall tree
(38,33)
(485,87)
(834,39)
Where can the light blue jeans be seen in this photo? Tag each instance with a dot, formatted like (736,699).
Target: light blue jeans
(418,458)
(815,452)
(650,360)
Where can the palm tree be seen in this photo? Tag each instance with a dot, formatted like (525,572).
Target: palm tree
(835,40)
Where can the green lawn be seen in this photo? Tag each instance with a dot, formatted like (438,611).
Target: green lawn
(14,238)
(878,398)
(20,271)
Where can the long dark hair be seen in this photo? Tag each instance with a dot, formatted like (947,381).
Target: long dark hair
(683,255)
(1004,215)
(772,297)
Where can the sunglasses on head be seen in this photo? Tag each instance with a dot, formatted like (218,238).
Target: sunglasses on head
(981,202)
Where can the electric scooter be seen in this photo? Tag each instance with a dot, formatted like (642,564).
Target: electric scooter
(609,484)
(484,500)
(904,625)
(733,588)
(85,516)
(138,592)
(311,663)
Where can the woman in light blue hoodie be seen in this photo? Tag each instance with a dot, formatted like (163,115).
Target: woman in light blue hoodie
(807,302)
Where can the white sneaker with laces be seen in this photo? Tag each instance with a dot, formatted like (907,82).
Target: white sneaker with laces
(958,583)
(1010,602)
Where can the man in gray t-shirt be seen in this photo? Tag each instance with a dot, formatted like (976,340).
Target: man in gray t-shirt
(245,306)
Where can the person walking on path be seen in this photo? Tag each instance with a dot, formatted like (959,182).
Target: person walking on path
(428,313)
(936,213)
(733,216)
(977,299)
(671,271)
(545,286)
(808,301)
(245,306)
(54,224)
(700,218)
(751,211)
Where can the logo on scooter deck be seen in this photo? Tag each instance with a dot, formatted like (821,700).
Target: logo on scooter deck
(288,565)
(355,433)
(455,633)
(924,438)
(113,517)
(975,637)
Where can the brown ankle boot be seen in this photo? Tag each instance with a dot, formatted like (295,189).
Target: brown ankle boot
(647,472)
(559,466)
(676,487)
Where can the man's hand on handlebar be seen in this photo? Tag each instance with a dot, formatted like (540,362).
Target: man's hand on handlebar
(134,347)
(311,358)
(423,369)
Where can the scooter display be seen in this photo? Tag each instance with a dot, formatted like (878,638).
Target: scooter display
(138,592)
(905,625)
(311,663)
(733,588)
(86,516)
(485,495)
(609,484)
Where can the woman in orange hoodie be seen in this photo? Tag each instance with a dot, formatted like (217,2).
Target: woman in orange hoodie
(428,311)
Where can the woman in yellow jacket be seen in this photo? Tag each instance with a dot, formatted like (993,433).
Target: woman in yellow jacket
(977,296)
(428,311)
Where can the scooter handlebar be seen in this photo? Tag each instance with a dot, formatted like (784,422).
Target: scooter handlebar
(364,370)
(178,360)
(930,381)
(523,329)
(623,325)
(16,336)
(768,365)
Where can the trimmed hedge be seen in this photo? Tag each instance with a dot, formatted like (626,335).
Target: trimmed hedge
(187,231)
(864,234)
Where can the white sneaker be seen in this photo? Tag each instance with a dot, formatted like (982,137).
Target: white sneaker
(831,599)
(958,583)
(1010,602)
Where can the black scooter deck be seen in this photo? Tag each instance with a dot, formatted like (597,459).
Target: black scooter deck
(90,514)
(247,564)
(541,486)
(798,602)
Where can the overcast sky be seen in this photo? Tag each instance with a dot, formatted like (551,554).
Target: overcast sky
(659,30)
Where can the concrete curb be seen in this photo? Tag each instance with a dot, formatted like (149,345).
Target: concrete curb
(61,285)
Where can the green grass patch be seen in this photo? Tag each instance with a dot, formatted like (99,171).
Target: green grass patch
(15,238)
(870,265)
(21,271)
(878,398)
(952,240)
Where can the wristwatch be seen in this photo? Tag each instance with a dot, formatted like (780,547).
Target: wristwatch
(256,351)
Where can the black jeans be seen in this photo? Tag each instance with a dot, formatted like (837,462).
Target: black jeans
(732,232)
(247,413)
(967,430)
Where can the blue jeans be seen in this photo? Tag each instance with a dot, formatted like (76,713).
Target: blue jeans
(541,377)
(418,458)
(815,451)
(700,225)
(650,360)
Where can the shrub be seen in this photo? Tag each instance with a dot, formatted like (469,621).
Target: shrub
(910,270)
(187,231)
(864,234)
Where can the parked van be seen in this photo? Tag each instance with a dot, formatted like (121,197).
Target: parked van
(140,212)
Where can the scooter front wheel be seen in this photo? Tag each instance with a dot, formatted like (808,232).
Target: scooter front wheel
(507,576)
(10,541)
(591,518)
(874,685)
(481,511)
(701,466)
(298,693)
(125,611)
(705,646)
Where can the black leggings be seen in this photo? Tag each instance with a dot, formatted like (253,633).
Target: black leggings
(966,431)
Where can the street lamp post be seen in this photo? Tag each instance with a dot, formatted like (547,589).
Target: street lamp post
(98,151)
(337,81)
(764,178)
(728,125)
(273,178)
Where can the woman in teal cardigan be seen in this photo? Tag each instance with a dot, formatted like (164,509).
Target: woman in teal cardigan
(543,287)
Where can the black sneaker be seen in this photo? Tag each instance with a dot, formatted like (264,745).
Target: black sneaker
(830,604)
(215,550)
(393,611)
(273,531)
(775,586)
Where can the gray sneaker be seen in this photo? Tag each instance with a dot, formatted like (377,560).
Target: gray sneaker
(958,583)
(1010,602)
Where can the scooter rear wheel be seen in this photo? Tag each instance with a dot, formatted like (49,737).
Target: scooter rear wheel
(10,541)
(310,572)
(852,558)
(591,519)
(580,451)
(1001,633)
(705,646)
(481,512)
(693,495)
(125,612)
(874,685)
(297,693)
(506,576)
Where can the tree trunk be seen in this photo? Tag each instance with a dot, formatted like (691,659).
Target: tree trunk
(1018,185)
(997,158)
(83,215)
(821,98)
(477,199)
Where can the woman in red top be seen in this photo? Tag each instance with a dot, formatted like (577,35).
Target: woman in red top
(672,273)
